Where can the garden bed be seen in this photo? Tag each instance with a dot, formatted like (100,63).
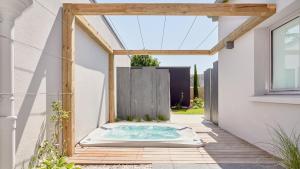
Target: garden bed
(189,111)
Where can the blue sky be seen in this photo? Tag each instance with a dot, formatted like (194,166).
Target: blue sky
(176,29)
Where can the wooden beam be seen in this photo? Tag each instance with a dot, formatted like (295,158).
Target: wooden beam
(184,9)
(161,52)
(68,102)
(111,88)
(83,23)
(239,31)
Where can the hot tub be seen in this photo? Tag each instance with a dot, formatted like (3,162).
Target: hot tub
(130,134)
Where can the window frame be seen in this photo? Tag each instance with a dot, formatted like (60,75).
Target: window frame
(270,89)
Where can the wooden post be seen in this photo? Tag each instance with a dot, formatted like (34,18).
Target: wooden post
(111,74)
(68,80)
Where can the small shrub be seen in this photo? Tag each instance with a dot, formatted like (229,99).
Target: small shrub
(161,117)
(49,154)
(137,119)
(287,147)
(129,118)
(147,117)
(197,103)
(117,119)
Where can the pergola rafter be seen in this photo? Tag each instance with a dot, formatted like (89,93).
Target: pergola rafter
(71,14)
(182,9)
(161,52)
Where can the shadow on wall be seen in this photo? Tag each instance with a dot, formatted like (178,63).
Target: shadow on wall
(91,71)
(84,62)
(48,68)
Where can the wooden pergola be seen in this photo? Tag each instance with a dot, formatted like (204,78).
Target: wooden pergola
(72,13)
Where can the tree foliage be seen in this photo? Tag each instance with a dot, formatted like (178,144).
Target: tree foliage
(196,83)
(144,60)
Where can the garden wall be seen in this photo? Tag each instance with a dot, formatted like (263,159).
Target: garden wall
(142,91)
(38,55)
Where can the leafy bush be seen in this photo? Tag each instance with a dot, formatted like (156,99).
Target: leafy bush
(117,119)
(147,117)
(197,103)
(137,119)
(287,147)
(144,60)
(49,154)
(129,118)
(161,117)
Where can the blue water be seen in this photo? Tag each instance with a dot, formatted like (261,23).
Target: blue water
(142,132)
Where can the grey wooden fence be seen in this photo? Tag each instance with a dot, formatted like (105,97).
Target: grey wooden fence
(211,93)
(142,91)
(207,94)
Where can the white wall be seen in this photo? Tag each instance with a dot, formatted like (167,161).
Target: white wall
(91,79)
(243,109)
(38,48)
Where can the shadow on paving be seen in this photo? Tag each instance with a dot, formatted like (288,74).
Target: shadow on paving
(216,166)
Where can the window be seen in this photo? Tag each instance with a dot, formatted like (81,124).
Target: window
(285,67)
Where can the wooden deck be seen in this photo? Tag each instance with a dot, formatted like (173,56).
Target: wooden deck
(220,147)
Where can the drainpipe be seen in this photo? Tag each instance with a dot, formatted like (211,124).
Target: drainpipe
(9,11)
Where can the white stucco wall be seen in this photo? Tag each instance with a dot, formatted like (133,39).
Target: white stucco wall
(38,50)
(242,74)
(91,79)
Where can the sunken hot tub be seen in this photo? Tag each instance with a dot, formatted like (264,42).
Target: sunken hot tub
(145,134)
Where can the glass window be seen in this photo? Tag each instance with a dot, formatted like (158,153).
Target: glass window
(286,56)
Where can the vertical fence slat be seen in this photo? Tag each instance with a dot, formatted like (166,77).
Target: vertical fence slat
(214,93)
(123,92)
(207,94)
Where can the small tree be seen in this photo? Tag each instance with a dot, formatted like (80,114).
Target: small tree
(196,83)
(144,60)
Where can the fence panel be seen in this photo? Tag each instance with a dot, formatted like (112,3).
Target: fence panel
(143,91)
(207,94)
(214,93)
(163,92)
(123,91)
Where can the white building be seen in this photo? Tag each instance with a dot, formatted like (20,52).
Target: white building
(259,80)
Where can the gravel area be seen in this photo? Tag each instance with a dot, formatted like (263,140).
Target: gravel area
(117,167)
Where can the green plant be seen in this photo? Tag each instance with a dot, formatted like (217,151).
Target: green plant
(137,119)
(117,119)
(161,117)
(287,147)
(147,117)
(196,82)
(144,60)
(197,103)
(179,104)
(49,155)
(129,118)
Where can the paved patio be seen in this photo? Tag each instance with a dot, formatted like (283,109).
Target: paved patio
(222,150)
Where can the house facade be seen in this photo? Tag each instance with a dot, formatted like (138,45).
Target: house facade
(259,79)
(31,75)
